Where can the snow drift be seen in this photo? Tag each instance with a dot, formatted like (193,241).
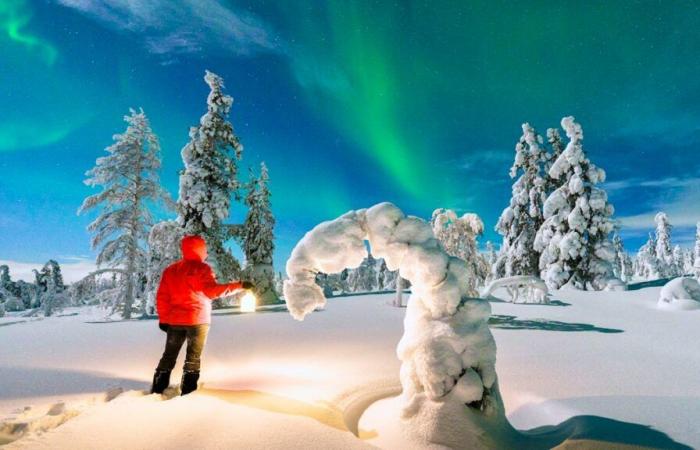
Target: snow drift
(680,294)
(450,391)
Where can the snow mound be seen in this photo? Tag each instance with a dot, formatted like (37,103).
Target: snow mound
(526,288)
(448,354)
(680,294)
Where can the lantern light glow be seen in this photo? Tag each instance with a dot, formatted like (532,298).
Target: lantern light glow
(248,302)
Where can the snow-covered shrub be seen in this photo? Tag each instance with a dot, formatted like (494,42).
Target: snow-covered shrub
(680,293)
(521,289)
(574,238)
(14,304)
(520,220)
(209,179)
(450,393)
(457,236)
(2,310)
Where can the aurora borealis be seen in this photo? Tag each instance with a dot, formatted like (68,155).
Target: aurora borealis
(349,102)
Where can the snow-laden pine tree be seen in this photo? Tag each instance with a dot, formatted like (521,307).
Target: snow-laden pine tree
(664,252)
(520,220)
(163,249)
(210,178)
(696,252)
(574,238)
(128,176)
(458,235)
(622,265)
(259,237)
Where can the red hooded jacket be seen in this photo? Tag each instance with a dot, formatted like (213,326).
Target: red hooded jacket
(188,287)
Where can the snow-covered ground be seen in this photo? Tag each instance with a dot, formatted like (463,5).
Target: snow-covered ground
(612,361)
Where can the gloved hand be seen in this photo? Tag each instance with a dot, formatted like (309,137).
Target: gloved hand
(163,326)
(247,285)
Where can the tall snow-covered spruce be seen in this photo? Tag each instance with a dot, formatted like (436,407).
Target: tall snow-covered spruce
(258,237)
(209,178)
(521,219)
(450,391)
(129,180)
(574,238)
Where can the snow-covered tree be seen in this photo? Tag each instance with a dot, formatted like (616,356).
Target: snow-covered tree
(696,252)
(646,263)
(557,147)
(163,249)
(458,235)
(520,220)
(678,261)
(664,252)
(209,178)
(622,265)
(364,277)
(128,176)
(688,261)
(258,237)
(491,258)
(574,238)
(450,392)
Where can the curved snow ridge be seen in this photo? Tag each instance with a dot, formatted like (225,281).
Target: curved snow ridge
(354,402)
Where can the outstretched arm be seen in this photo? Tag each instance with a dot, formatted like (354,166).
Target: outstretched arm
(214,290)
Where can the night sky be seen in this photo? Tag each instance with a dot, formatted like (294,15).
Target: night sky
(349,103)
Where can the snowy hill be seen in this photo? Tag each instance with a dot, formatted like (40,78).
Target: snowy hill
(611,361)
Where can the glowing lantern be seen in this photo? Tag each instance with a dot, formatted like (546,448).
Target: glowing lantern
(248,302)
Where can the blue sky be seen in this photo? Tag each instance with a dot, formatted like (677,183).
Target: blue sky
(349,103)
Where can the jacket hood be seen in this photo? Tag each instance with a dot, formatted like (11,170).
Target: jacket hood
(194,248)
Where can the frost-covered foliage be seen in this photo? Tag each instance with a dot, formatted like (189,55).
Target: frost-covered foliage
(209,179)
(450,394)
(458,235)
(688,262)
(491,257)
(680,294)
(574,238)
(128,176)
(50,292)
(519,222)
(696,252)
(520,288)
(163,250)
(622,265)
(258,237)
(664,252)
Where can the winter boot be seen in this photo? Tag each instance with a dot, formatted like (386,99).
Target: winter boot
(189,382)
(161,380)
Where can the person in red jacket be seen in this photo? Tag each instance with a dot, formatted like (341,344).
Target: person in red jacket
(183,301)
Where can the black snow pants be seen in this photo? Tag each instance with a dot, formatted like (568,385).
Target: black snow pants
(196,337)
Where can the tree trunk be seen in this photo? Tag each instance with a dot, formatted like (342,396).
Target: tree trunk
(398,299)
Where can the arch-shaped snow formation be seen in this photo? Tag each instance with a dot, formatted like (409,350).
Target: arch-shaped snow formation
(448,355)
